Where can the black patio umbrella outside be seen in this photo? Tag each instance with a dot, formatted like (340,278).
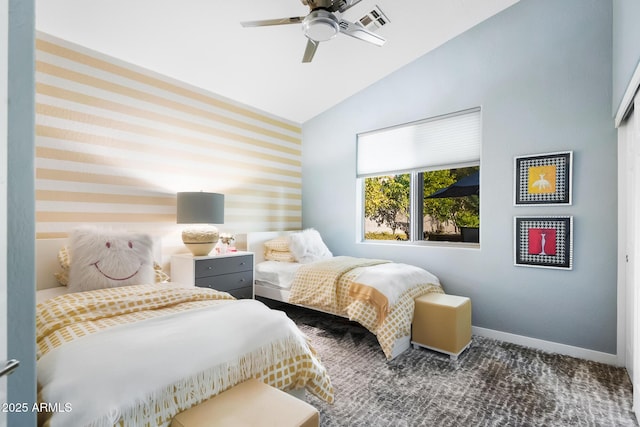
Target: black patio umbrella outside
(467,186)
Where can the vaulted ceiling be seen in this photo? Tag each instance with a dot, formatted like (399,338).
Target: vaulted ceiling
(203,44)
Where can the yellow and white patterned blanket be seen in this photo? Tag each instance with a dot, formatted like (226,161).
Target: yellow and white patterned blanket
(329,286)
(138,355)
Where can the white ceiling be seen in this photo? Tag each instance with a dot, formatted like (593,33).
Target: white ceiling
(202,43)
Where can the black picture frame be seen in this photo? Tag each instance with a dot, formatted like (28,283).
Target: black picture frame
(543,241)
(543,179)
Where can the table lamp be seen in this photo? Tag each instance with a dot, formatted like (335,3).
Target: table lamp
(202,210)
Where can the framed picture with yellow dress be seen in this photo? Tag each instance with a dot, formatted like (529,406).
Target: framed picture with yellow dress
(543,179)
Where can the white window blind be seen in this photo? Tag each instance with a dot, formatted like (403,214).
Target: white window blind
(449,140)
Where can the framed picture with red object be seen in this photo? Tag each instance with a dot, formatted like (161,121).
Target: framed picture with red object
(543,241)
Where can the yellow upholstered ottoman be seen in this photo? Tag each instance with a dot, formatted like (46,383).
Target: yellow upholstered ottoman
(251,403)
(442,323)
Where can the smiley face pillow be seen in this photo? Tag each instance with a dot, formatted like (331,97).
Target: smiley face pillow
(108,259)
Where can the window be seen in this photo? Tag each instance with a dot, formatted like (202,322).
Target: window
(420,181)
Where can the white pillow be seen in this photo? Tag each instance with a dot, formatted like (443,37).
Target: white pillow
(307,246)
(108,259)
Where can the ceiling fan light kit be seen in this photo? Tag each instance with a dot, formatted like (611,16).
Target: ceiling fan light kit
(320,25)
(323,23)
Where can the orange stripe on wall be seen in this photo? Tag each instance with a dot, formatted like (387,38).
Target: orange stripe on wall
(52,235)
(89,217)
(83,197)
(82,217)
(125,199)
(95,178)
(257,205)
(270,218)
(249,192)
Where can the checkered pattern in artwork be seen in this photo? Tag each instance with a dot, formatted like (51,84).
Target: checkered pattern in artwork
(562,256)
(561,195)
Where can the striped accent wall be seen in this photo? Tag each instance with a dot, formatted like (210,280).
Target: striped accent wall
(115,143)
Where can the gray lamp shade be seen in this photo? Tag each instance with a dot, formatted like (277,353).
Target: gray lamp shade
(200,208)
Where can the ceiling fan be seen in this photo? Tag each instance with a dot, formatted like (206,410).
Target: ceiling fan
(323,22)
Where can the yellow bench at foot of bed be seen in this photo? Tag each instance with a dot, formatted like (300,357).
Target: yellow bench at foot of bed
(251,403)
(442,323)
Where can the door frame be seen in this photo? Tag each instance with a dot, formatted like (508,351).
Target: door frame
(627,120)
(4,111)
(628,254)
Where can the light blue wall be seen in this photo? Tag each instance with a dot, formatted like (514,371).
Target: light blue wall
(21,211)
(541,71)
(626,45)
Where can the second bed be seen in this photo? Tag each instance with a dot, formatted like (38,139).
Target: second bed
(378,294)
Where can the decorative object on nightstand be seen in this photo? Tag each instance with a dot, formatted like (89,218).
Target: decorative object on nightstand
(231,272)
(203,210)
(222,247)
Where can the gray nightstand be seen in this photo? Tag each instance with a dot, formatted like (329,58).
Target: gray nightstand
(231,272)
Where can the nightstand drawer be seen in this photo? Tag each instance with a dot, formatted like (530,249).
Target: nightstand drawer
(242,293)
(232,273)
(215,266)
(226,282)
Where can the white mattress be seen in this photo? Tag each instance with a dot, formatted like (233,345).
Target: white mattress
(45,294)
(276,273)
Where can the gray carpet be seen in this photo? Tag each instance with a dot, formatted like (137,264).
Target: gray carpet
(493,383)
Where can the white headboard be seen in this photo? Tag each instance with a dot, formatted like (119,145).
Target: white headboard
(255,242)
(47,260)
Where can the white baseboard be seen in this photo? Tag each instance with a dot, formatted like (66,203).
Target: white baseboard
(549,346)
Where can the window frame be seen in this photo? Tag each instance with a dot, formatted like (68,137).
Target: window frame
(416,190)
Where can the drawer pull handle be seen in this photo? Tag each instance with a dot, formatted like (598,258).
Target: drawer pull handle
(242,263)
(209,268)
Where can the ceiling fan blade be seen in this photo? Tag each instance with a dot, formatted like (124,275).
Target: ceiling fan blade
(348,6)
(267,22)
(310,50)
(358,31)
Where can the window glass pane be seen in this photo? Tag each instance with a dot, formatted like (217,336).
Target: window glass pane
(451,205)
(386,207)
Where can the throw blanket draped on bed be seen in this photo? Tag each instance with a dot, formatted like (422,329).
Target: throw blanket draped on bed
(145,372)
(315,283)
(332,285)
(383,284)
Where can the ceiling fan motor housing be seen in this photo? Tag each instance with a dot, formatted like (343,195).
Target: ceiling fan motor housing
(320,25)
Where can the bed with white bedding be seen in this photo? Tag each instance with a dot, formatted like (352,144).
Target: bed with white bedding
(378,294)
(141,353)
